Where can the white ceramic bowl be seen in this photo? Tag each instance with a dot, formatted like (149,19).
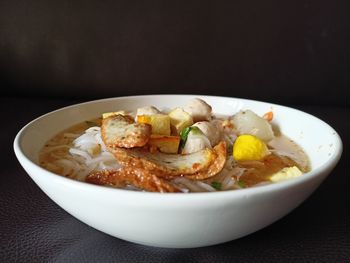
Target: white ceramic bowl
(180,220)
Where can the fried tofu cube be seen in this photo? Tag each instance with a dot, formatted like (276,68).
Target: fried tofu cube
(165,144)
(180,119)
(147,110)
(113,113)
(285,174)
(160,123)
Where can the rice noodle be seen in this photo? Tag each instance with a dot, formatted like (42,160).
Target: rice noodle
(93,129)
(71,135)
(55,148)
(193,186)
(227,182)
(76,155)
(207,187)
(81,153)
(69,166)
(104,157)
(78,159)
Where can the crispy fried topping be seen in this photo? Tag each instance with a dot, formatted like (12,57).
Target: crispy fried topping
(165,165)
(122,131)
(215,167)
(137,177)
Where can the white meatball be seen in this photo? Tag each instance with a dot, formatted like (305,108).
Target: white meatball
(148,110)
(195,142)
(210,130)
(198,109)
(247,122)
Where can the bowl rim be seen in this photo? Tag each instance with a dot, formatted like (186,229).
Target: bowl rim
(79,185)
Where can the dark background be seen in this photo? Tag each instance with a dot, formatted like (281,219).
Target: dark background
(56,53)
(281,51)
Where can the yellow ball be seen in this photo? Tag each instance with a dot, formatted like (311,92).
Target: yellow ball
(249,148)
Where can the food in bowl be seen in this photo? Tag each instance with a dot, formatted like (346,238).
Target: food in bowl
(188,148)
(180,220)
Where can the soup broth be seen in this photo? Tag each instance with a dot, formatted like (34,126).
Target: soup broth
(187,149)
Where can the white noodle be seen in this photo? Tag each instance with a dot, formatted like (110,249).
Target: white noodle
(94,129)
(228,182)
(54,148)
(83,158)
(205,186)
(80,161)
(189,184)
(71,135)
(101,158)
(100,142)
(80,152)
(69,166)
(83,140)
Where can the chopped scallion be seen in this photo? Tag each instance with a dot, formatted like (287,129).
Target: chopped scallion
(241,184)
(184,134)
(216,185)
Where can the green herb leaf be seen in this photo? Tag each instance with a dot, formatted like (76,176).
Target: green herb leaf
(216,185)
(196,130)
(91,123)
(241,184)
(185,131)
(184,134)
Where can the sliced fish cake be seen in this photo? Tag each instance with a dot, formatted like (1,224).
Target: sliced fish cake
(122,131)
(165,165)
(216,167)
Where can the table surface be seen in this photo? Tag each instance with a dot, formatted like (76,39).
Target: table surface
(34,229)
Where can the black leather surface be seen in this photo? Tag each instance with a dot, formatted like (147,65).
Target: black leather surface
(34,229)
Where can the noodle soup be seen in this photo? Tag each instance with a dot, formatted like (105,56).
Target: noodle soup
(187,149)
